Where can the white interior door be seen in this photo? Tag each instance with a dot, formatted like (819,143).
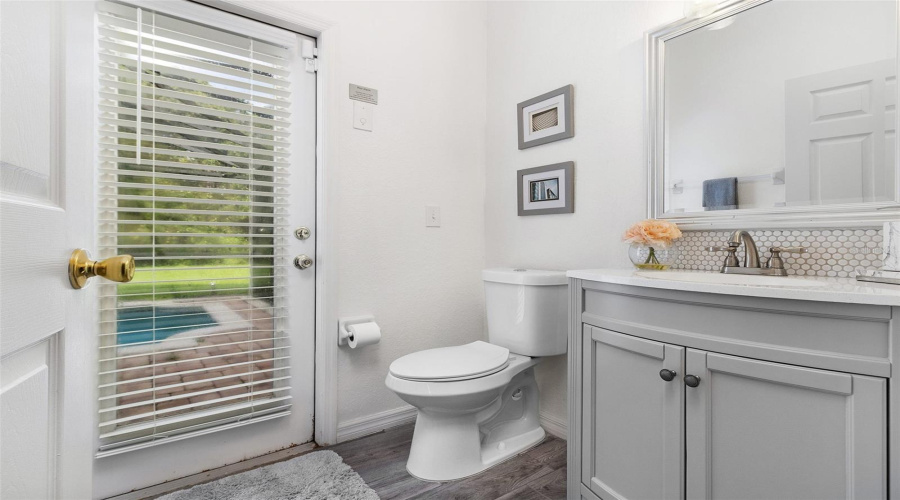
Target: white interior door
(839,135)
(45,190)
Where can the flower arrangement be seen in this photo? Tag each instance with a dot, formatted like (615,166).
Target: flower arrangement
(649,239)
(652,232)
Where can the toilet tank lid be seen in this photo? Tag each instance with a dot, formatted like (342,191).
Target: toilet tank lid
(524,276)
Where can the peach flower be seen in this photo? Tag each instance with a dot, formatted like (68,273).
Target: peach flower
(652,232)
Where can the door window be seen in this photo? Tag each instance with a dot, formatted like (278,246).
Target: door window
(193,178)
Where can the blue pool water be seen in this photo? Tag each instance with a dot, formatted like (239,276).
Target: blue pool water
(138,324)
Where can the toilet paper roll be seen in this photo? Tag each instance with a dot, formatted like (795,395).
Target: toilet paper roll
(363,334)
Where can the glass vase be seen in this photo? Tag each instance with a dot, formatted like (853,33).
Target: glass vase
(655,258)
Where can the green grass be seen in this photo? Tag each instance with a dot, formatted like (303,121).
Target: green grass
(213,281)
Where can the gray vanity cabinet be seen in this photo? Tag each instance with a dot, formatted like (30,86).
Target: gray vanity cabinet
(777,405)
(769,430)
(633,420)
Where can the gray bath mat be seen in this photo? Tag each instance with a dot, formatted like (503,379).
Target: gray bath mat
(319,475)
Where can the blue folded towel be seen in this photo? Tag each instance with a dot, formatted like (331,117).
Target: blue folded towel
(720,194)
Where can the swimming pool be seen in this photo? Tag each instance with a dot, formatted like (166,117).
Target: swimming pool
(155,323)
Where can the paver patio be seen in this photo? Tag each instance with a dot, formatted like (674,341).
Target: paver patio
(222,365)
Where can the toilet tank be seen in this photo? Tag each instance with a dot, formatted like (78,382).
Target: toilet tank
(526,310)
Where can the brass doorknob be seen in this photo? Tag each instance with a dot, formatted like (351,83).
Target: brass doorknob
(119,268)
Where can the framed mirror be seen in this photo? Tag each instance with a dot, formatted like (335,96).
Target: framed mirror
(775,113)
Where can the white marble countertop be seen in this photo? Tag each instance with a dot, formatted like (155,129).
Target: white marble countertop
(845,290)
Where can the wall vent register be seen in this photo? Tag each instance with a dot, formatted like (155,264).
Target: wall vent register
(194,140)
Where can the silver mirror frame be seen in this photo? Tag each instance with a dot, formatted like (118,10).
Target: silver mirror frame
(871,214)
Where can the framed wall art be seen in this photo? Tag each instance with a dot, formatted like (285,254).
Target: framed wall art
(546,118)
(549,189)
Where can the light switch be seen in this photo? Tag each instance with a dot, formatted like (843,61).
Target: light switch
(363,115)
(432,216)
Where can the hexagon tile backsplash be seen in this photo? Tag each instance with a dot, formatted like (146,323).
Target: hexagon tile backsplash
(830,252)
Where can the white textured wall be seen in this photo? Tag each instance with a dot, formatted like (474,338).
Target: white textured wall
(423,285)
(534,47)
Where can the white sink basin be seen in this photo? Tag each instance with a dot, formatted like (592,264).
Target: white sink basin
(731,279)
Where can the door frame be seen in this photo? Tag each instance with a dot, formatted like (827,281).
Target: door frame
(77,382)
(327,34)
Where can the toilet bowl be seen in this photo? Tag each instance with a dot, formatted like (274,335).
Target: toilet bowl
(466,425)
(478,403)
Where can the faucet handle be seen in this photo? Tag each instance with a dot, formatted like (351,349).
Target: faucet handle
(775,261)
(788,249)
(730,259)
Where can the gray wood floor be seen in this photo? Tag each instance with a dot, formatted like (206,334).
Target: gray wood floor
(537,474)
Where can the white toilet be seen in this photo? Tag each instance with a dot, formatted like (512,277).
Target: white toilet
(478,402)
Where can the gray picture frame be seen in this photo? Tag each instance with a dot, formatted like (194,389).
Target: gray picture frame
(567,189)
(568,121)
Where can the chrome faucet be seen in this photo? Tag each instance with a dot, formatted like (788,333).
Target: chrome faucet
(774,265)
(751,253)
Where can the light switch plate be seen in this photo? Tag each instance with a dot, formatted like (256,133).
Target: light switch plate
(432,216)
(363,115)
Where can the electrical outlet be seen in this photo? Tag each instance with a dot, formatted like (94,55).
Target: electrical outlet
(432,216)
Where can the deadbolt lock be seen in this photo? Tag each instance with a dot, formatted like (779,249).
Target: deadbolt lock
(303,261)
(302,233)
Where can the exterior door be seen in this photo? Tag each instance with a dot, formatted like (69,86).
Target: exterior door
(765,430)
(207,357)
(839,135)
(633,418)
(46,343)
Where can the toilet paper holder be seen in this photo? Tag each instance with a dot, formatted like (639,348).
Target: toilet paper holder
(343,334)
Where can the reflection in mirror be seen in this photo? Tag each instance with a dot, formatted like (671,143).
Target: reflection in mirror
(788,103)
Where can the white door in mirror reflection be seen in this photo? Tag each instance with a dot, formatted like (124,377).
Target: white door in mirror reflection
(839,135)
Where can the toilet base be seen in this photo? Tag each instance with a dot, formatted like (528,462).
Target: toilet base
(524,443)
(453,446)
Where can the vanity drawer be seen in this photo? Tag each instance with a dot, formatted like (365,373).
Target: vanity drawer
(845,337)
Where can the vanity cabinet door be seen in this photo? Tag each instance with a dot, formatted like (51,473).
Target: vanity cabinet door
(633,419)
(766,430)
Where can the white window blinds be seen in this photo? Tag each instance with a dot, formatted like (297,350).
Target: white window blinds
(194,139)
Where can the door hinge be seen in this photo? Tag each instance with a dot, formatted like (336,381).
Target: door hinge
(309,53)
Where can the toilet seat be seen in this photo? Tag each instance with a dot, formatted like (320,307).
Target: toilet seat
(448,364)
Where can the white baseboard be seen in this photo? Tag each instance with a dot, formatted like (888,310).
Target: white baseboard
(370,424)
(555,426)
